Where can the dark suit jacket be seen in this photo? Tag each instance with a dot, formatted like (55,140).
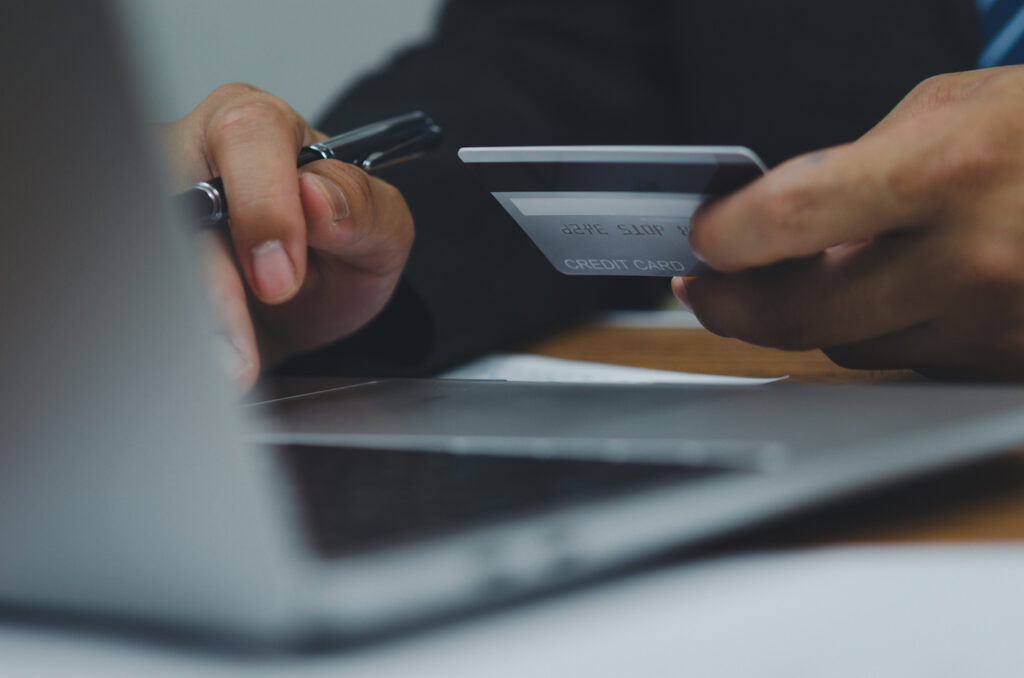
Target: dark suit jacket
(780,76)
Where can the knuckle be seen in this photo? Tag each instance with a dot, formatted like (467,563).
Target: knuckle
(934,91)
(235,89)
(246,119)
(985,262)
(932,83)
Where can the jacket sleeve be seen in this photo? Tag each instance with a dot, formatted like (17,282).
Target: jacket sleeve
(498,72)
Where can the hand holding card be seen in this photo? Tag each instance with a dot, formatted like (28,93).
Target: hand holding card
(612,210)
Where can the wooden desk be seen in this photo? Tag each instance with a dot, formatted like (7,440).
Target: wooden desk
(984,501)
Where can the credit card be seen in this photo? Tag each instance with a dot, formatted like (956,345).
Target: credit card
(612,210)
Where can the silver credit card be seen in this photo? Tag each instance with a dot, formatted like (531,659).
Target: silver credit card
(612,210)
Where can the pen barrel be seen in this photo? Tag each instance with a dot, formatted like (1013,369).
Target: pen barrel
(380,143)
(311,154)
(370,147)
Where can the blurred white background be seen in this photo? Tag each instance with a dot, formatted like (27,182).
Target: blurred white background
(305,51)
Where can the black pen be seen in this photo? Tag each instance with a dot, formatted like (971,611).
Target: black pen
(371,147)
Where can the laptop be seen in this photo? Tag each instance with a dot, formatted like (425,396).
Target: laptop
(135,488)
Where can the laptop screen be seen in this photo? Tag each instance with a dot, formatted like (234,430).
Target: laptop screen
(357,500)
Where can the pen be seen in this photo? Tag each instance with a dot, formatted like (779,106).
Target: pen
(373,146)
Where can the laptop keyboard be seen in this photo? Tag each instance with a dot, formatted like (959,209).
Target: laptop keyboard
(359,499)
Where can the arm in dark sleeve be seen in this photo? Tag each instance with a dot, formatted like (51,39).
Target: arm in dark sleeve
(498,72)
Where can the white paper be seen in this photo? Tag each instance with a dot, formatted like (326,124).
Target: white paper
(907,612)
(527,367)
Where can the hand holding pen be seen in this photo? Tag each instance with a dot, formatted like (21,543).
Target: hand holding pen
(310,253)
(370,147)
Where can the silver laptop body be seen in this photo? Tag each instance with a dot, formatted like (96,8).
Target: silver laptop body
(132,487)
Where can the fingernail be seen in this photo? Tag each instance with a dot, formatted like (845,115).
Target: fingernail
(690,226)
(272,270)
(332,193)
(693,250)
(680,291)
(232,361)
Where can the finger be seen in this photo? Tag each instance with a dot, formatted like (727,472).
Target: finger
(355,218)
(842,296)
(811,203)
(252,145)
(982,338)
(912,347)
(356,262)
(927,349)
(235,345)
